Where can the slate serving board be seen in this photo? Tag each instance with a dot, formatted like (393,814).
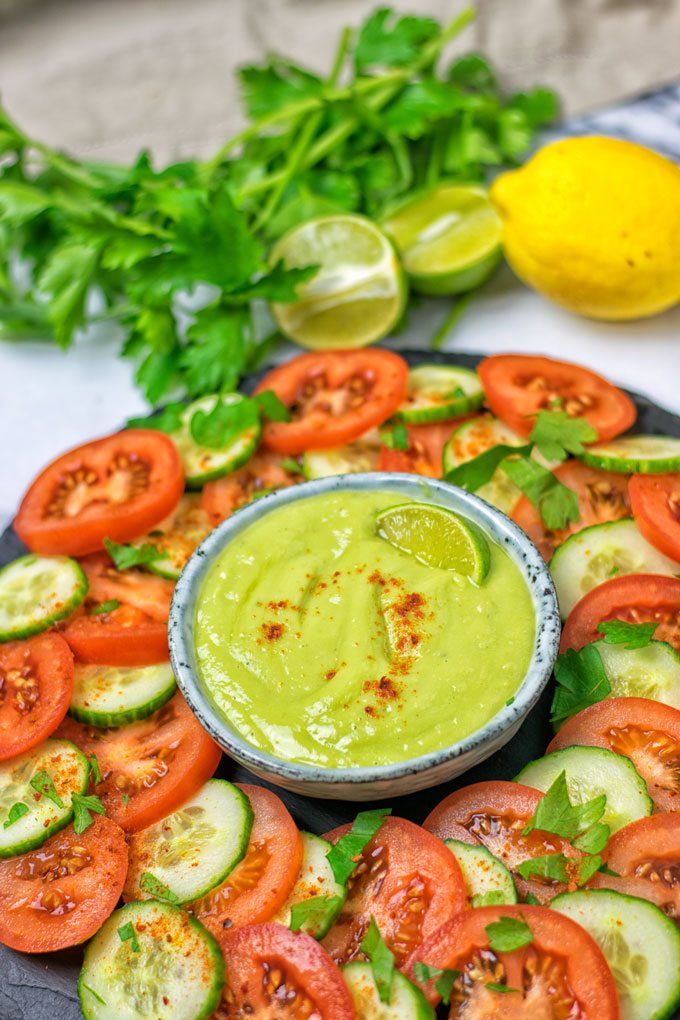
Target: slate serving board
(43,987)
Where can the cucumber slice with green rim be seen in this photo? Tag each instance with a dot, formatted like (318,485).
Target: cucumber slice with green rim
(67,768)
(203,464)
(36,591)
(172,969)
(178,536)
(487,880)
(640,944)
(360,455)
(114,695)
(474,437)
(598,553)
(407,1002)
(194,849)
(635,455)
(591,771)
(651,672)
(440,392)
(315,879)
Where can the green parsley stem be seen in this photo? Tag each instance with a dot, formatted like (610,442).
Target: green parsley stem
(451,319)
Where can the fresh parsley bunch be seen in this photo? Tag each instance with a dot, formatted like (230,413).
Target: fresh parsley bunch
(178,259)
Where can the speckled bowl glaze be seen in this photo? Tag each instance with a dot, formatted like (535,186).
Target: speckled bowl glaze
(380,781)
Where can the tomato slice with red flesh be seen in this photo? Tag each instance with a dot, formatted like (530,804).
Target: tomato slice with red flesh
(273,972)
(61,894)
(647,732)
(148,768)
(259,885)
(262,473)
(602,496)
(518,386)
(333,397)
(560,975)
(36,685)
(135,632)
(655,500)
(646,858)
(425,451)
(405,878)
(634,598)
(493,814)
(117,487)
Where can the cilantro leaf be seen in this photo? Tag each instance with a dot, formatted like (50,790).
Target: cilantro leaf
(127,933)
(127,556)
(581,681)
(555,813)
(17,811)
(291,465)
(630,635)
(479,470)
(274,86)
(551,866)
(343,856)
(395,438)
(168,420)
(593,840)
(472,71)
(105,607)
(42,783)
(444,979)
(533,900)
(224,423)
(316,912)
(381,958)
(83,804)
(214,358)
(608,871)
(389,40)
(557,434)
(508,934)
(65,281)
(95,771)
(157,889)
(271,406)
(556,504)
(95,994)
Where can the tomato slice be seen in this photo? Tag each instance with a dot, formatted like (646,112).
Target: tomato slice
(61,894)
(561,974)
(273,973)
(425,451)
(117,487)
(602,496)
(493,814)
(135,633)
(635,598)
(408,880)
(263,472)
(656,507)
(148,768)
(259,885)
(36,684)
(646,858)
(647,732)
(333,396)
(518,386)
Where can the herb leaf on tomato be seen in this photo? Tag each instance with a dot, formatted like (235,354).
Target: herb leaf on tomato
(316,910)
(508,934)
(127,556)
(343,856)
(444,979)
(83,805)
(381,958)
(630,635)
(555,813)
(581,681)
(556,434)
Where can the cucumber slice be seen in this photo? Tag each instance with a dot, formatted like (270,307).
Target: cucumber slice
(652,672)
(600,552)
(474,437)
(635,455)
(591,771)
(487,880)
(36,591)
(440,392)
(640,944)
(68,770)
(201,463)
(360,455)
(407,1002)
(177,972)
(177,536)
(315,879)
(114,695)
(194,849)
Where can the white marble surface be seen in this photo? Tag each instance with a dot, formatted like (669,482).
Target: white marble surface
(51,400)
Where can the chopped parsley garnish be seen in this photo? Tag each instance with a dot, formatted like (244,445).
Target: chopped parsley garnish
(127,933)
(16,812)
(83,805)
(42,783)
(157,889)
(127,556)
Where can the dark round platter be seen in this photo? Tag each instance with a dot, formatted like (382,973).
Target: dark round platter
(43,987)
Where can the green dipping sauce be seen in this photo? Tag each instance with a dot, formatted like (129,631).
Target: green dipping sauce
(321,643)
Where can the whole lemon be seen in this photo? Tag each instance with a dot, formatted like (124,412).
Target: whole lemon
(594,224)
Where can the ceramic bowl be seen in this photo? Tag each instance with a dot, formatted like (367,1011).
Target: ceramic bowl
(380,781)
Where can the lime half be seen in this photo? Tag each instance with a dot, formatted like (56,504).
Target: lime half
(449,239)
(358,294)
(437,537)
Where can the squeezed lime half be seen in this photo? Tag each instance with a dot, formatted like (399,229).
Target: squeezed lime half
(437,537)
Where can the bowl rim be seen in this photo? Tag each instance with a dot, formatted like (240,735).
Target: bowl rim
(501,529)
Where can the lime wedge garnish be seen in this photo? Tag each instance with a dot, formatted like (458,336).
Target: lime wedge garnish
(449,238)
(358,294)
(437,537)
